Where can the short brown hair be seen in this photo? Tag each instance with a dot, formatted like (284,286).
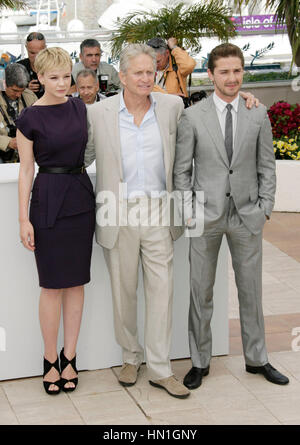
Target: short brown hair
(52,58)
(224,50)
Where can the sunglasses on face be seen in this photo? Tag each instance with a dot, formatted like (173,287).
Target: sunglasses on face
(35,36)
(157,44)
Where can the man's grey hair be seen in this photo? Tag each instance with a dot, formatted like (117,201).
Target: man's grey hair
(86,73)
(16,75)
(89,43)
(133,50)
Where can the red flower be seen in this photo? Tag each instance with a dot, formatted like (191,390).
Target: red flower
(285,119)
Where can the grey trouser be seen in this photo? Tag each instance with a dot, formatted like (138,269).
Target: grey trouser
(246,253)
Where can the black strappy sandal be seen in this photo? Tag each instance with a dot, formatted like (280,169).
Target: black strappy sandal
(64,362)
(47,367)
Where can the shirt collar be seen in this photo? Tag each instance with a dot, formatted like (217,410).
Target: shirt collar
(221,104)
(123,105)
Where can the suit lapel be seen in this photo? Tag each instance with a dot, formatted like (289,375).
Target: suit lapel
(211,122)
(163,123)
(241,128)
(112,128)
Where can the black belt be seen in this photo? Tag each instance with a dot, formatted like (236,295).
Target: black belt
(70,170)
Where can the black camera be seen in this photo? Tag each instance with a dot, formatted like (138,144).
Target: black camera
(197,96)
(186,101)
(103,82)
(11,130)
(10,155)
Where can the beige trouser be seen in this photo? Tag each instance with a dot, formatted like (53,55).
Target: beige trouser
(154,246)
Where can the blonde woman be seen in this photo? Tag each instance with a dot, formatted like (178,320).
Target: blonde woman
(59,225)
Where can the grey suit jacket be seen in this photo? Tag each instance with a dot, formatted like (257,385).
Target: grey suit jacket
(250,179)
(104,146)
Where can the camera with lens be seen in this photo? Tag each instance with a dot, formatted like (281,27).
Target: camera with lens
(11,130)
(186,101)
(103,83)
(10,155)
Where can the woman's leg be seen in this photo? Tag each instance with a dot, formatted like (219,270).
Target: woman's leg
(73,299)
(49,312)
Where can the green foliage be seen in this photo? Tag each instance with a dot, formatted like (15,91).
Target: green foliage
(249,77)
(186,23)
(12,4)
(267,77)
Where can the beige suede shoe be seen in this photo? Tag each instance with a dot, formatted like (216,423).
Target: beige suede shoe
(172,386)
(128,374)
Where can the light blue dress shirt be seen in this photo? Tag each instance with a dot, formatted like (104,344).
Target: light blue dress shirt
(141,152)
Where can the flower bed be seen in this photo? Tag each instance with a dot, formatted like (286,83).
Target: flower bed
(285,121)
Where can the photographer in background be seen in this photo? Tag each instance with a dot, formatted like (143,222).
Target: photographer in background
(90,55)
(87,85)
(173,66)
(35,42)
(12,101)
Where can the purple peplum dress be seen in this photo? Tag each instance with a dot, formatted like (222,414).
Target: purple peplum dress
(62,208)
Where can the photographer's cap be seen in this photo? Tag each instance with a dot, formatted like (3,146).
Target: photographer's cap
(157,42)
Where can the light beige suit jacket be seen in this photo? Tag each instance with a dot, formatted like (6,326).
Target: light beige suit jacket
(104,146)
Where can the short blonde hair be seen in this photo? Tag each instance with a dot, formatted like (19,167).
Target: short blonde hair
(50,58)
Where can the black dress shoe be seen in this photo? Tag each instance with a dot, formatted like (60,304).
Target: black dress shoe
(193,379)
(269,373)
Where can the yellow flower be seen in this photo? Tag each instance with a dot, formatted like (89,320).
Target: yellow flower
(280,144)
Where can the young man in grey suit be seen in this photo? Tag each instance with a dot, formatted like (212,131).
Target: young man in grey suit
(234,165)
(132,136)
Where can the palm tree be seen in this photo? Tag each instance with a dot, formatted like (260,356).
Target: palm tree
(186,23)
(288,12)
(12,4)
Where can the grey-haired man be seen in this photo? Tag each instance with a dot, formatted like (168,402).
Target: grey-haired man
(132,136)
(12,101)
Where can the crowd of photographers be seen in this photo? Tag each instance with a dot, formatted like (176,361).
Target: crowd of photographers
(92,80)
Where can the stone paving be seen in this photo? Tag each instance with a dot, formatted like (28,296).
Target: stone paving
(228,395)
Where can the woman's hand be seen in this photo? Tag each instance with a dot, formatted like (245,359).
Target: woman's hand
(27,235)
